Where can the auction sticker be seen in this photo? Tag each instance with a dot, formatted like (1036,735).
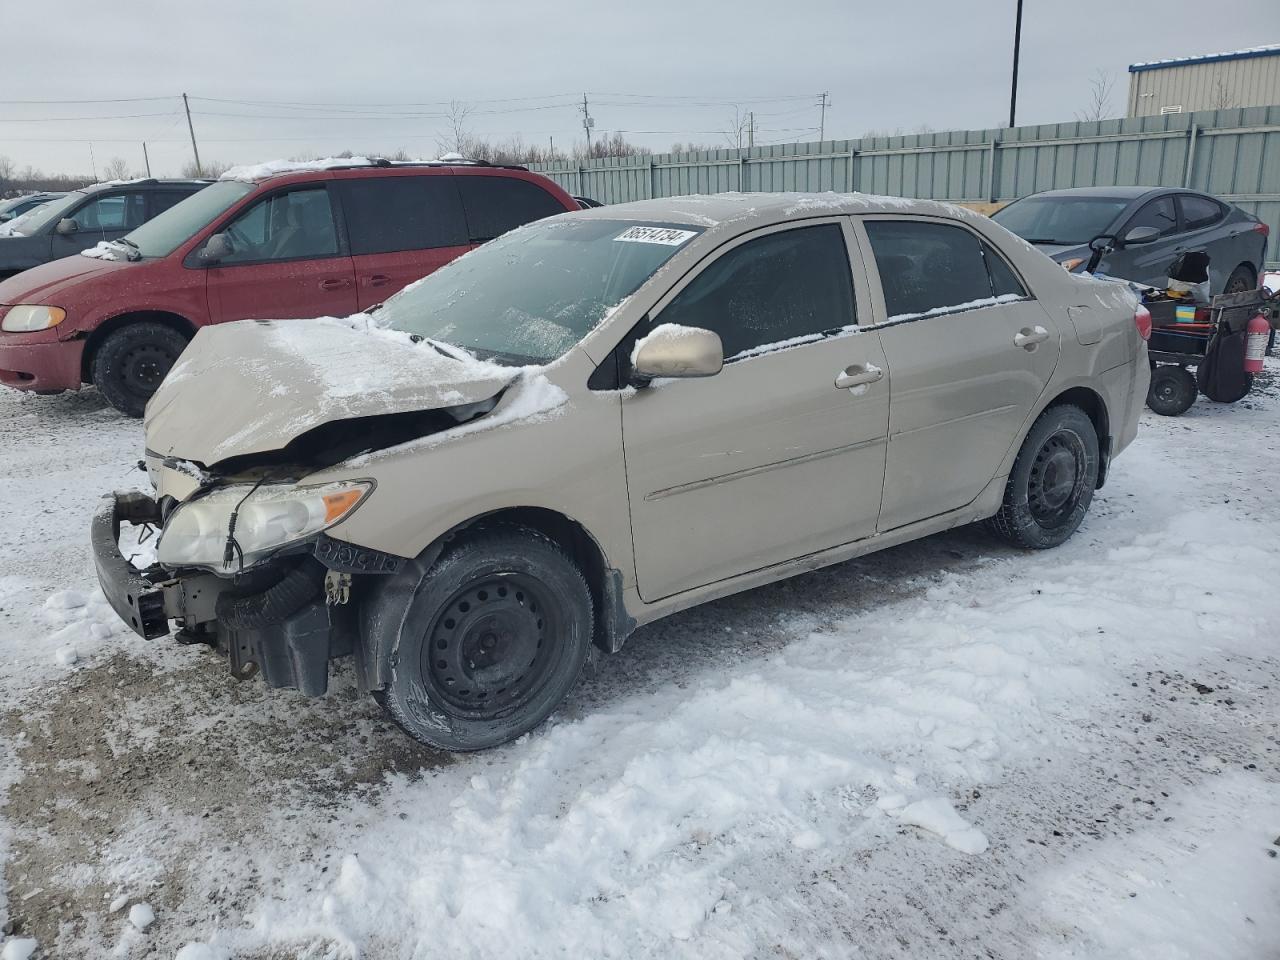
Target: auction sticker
(668,236)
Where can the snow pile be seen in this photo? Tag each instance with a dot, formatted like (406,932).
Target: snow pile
(937,815)
(141,916)
(18,948)
(106,250)
(253,172)
(82,624)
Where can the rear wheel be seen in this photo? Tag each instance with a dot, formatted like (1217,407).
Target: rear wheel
(131,363)
(1173,390)
(1242,278)
(1052,481)
(492,639)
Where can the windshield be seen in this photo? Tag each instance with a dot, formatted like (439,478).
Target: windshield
(45,216)
(1064,220)
(164,233)
(531,295)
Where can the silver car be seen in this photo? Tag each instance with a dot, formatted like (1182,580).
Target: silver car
(606,417)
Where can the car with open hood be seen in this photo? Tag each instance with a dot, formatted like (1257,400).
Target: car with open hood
(606,417)
(279,239)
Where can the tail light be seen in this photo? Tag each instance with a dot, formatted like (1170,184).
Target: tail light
(1262,228)
(1142,320)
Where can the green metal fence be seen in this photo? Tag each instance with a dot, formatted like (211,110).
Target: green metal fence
(1233,154)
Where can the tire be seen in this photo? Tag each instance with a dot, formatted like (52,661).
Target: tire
(1242,278)
(1173,390)
(1052,481)
(130,364)
(499,597)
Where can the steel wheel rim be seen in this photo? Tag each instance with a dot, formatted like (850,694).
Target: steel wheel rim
(490,648)
(1057,479)
(144,368)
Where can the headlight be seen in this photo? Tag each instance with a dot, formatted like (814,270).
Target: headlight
(199,533)
(1072,263)
(26,317)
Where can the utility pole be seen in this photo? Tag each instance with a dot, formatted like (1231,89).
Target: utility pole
(751,129)
(822,118)
(587,123)
(1017,43)
(145,158)
(194,149)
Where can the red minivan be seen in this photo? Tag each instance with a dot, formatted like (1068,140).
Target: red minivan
(309,241)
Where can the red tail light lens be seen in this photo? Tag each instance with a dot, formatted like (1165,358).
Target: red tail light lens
(1262,228)
(1142,319)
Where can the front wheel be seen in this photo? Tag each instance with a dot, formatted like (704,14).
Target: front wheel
(130,364)
(1052,481)
(492,639)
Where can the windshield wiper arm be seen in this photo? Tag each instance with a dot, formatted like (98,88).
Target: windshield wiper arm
(438,347)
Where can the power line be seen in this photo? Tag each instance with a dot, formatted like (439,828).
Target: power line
(117,100)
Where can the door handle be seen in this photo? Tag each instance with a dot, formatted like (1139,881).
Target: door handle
(335,284)
(1029,337)
(379,280)
(858,375)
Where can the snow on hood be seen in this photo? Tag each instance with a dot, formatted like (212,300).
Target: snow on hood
(253,386)
(107,250)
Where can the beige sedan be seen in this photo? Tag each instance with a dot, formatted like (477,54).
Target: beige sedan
(603,418)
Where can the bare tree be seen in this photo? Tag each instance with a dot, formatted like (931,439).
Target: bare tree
(209,169)
(116,169)
(458,138)
(737,135)
(1099,107)
(1223,98)
(6,173)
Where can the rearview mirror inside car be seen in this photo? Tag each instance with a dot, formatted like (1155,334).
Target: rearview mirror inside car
(216,248)
(1141,235)
(66,226)
(671,350)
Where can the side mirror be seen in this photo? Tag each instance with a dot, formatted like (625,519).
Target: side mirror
(218,247)
(671,350)
(67,226)
(1140,235)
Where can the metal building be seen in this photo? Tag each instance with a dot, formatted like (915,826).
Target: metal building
(1216,81)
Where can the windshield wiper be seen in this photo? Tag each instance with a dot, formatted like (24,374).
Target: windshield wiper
(1042,240)
(438,347)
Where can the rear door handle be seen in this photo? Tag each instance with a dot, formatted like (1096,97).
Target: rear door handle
(379,280)
(335,284)
(858,375)
(1029,337)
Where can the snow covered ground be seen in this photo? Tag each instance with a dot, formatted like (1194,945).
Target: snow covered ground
(950,749)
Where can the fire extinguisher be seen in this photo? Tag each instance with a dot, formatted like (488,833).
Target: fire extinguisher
(1255,347)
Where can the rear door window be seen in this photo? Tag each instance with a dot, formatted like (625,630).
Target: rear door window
(162,200)
(120,211)
(771,292)
(495,205)
(1198,212)
(1158,213)
(388,214)
(928,267)
(285,226)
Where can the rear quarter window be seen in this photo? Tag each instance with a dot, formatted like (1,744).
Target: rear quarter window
(495,205)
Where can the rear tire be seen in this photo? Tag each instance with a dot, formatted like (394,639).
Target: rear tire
(1173,390)
(1052,481)
(1242,278)
(492,639)
(130,364)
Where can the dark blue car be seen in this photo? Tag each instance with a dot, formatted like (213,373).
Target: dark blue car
(1150,227)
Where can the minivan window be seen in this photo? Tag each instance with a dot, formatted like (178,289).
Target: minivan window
(120,211)
(926,267)
(786,286)
(495,205)
(388,214)
(165,233)
(1198,212)
(44,217)
(531,295)
(285,226)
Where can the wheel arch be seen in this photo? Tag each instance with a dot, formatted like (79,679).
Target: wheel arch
(1092,403)
(99,334)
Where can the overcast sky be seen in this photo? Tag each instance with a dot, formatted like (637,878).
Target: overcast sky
(661,70)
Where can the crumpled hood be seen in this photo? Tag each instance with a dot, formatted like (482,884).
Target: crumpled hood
(43,283)
(253,386)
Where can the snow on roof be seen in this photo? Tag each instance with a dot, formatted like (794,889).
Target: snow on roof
(1267,50)
(252,172)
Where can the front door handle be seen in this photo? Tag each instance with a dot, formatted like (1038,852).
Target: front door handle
(335,284)
(858,375)
(1028,338)
(379,280)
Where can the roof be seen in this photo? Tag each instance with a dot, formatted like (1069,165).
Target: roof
(1114,193)
(144,182)
(255,172)
(764,208)
(1269,50)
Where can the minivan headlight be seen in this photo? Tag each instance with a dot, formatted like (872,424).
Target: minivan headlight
(26,317)
(200,533)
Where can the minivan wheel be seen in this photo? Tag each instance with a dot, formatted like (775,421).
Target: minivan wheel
(130,364)
(1052,481)
(492,639)
(1242,278)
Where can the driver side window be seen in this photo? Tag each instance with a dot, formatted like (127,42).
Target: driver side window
(287,226)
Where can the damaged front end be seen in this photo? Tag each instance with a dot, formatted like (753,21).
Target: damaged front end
(282,618)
